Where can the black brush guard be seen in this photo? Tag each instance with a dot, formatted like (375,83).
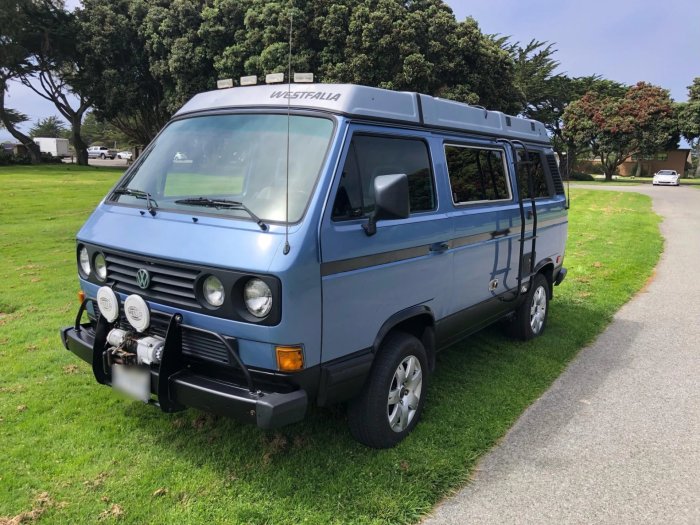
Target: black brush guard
(177,388)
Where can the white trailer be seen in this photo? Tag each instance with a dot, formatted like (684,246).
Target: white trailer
(52,146)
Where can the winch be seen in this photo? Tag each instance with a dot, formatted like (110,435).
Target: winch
(126,349)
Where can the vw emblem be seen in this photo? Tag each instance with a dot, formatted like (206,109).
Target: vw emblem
(143,278)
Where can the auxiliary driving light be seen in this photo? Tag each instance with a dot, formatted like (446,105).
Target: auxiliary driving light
(108,303)
(137,312)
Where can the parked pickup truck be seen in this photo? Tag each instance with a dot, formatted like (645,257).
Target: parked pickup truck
(101,152)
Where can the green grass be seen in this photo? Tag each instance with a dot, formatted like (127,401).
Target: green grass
(76,452)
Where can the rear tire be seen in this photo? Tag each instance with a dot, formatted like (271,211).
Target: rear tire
(393,397)
(531,316)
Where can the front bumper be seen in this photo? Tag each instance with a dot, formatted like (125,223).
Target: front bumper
(176,387)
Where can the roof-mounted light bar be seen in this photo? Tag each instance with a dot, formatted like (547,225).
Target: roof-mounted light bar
(224,83)
(250,80)
(303,77)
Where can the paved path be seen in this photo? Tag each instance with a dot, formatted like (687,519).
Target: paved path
(616,439)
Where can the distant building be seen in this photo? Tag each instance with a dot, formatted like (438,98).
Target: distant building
(677,159)
(13,148)
(668,160)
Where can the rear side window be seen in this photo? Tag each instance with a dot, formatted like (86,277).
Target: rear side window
(539,177)
(476,174)
(370,156)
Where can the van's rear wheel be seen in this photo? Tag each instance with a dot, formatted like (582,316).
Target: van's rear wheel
(392,401)
(531,315)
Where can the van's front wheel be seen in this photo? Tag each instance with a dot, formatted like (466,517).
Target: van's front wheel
(392,401)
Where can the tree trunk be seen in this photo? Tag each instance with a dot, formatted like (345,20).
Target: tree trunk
(32,147)
(608,167)
(638,169)
(81,155)
(571,158)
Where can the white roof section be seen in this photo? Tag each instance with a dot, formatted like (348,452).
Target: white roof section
(372,103)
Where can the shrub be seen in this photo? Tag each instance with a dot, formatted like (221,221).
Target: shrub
(8,159)
(577,175)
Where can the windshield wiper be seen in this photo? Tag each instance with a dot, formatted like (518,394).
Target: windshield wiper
(151,203)
(220,204)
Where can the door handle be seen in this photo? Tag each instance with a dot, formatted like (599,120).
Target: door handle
(500,233)
(439,247)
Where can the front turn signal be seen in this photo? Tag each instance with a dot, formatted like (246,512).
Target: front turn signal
(81,296)
(289,358)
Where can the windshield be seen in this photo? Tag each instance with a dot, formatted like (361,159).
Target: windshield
(666,172)
(241,158)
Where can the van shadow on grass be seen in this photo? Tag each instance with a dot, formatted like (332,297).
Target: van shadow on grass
(481,386)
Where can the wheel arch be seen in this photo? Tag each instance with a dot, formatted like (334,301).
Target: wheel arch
(418,321)
(546,267)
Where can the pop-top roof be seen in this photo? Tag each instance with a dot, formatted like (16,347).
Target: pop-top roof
(373,103)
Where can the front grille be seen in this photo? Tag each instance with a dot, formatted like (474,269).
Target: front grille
(556,176)
(169,283)
(204,346)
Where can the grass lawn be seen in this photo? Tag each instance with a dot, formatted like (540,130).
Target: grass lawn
(76,452)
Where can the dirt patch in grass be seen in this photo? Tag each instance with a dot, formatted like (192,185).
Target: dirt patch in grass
(42,502)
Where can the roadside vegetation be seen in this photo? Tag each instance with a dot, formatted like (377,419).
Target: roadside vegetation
(76,452)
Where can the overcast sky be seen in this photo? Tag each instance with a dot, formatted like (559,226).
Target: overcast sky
(623,40)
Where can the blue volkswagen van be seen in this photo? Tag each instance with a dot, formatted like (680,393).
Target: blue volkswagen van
(281,246)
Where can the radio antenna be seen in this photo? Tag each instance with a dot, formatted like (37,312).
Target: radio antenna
(289,93)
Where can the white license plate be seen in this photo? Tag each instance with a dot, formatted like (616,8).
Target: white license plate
(134,381)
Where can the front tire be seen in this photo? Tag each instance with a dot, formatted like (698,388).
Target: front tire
(393,397)
(531,315)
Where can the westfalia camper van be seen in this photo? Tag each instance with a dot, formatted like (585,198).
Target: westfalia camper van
(277,247)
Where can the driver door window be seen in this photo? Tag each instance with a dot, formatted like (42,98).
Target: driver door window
(370,156)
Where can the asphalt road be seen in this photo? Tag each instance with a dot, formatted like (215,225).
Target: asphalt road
(616,439)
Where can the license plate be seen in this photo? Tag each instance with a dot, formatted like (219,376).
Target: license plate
(134,381)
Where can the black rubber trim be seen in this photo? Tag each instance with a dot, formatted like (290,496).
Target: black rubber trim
(343,378)
(367,261)
(356,263)
(399,317)
(419,105)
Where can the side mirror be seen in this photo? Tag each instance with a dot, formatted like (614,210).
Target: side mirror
(390,200)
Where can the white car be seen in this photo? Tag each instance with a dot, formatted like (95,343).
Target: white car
(124,155)
(666,178)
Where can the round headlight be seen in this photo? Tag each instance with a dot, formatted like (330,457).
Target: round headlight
(108,304)
(258,297)
(84,258)
(213,291)
(100,267)
(137,313)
